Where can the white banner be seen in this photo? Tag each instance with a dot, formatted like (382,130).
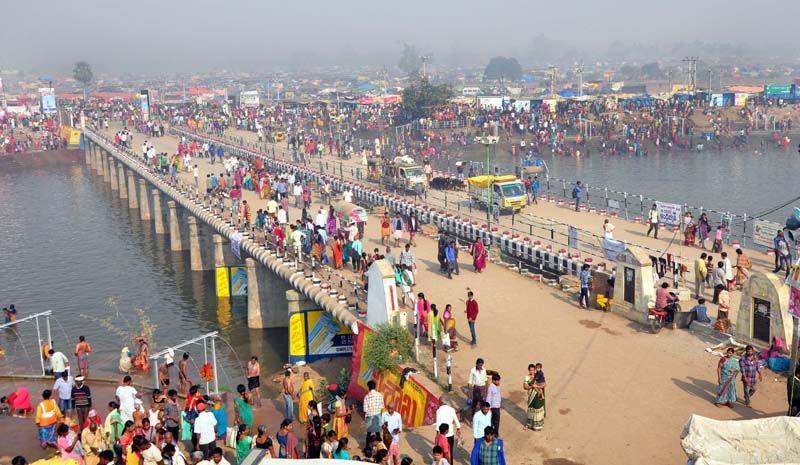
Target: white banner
(612,248)
(764,231)
(236,244)
(669,213)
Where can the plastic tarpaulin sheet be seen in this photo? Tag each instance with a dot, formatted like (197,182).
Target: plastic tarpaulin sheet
(482,182)
(765,441)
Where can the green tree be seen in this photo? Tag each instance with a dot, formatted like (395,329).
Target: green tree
(503,68)
(420,99)
(82,72)
(388,346)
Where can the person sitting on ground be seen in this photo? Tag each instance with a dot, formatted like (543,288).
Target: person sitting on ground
(700,312)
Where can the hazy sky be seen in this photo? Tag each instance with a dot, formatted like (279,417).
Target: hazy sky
(202,34)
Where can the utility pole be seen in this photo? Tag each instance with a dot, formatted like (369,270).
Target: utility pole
(669,80)
(552,80)
(424,59)
(691,71)
(709,80)
(579,70)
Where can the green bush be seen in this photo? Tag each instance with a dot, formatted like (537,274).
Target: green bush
(388,346)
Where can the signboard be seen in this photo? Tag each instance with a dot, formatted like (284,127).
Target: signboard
(236,244)
(249,99)
(793,280)
(71,135)
(612,248)
(316,334)
(48,96)
(669,213)
(144,99)
(613,204)
(572,234)
(778,90)
(238,281)
(223,282)
(764,231)
(417,405)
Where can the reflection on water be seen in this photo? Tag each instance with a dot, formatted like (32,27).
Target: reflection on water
(735,181)
(67,244)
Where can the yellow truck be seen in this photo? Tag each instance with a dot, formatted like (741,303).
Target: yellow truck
(505,193)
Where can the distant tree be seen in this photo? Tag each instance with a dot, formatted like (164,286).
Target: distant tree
(651,70)
(420,99)
(410,60)
(82,72)
(503,68)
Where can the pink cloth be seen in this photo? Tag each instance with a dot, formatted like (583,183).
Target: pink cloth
(20,400)
(63,443)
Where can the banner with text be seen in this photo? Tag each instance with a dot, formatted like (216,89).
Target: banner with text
(416,404)
(764,231)
(316,334)
(669,213)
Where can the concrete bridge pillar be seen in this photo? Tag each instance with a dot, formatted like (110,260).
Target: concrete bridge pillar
(96,164)
(144,202)
(175,238)
(103,163)
(133,199)
(266,297)
(123,186)
(199,251)
(112,177)
(223,255)
(87,152)
(158,216)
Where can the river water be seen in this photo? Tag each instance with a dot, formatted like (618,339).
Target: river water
(68,245)
(735,181)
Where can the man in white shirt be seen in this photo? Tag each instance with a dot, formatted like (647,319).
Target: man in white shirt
(296,238)
(321,220)
(150,454)
(196,173)
(347,195)
(126,397)
(217,458)
(481,420)
(297,192)
(63,386)
(394,424)
(446,414)
(728,271)
(283,217)
(477,384)
(205,427)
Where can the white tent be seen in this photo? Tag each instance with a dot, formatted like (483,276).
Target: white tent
(773,441)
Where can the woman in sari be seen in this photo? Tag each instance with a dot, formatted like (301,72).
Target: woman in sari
(338,253)
(314,438)
(47,417)
(142,361)
(704,228)
(265,188)
(478,255)
(423,307)
(306,394)
(340,423)
(330,226)
(689,232)
(20,402)
(534,384)
(69,444)
(727,369)
(743,267)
